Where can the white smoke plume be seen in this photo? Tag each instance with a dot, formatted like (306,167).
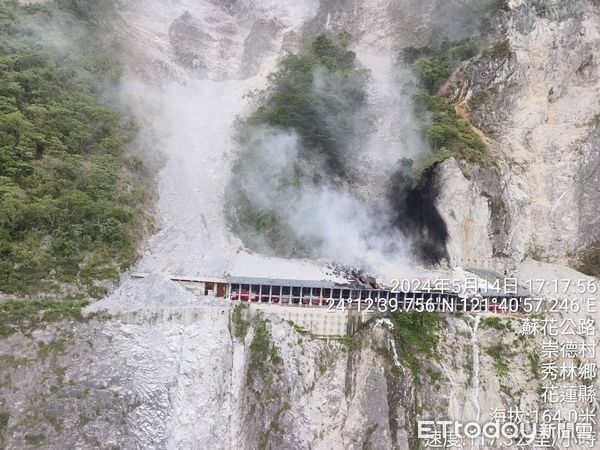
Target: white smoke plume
(345,228)
(345,218)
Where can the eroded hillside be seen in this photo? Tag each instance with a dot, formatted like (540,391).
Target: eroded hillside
(508,176)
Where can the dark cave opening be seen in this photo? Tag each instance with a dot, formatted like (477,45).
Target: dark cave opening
(415,214)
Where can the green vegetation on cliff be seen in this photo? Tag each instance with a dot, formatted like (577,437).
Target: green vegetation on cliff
(19,315)
(590,260)
(240,324)
(264,356)
(450,133)
(315,94)
(433,66)
(417,335)
(70,199)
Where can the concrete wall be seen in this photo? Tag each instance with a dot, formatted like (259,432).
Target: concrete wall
(318,321)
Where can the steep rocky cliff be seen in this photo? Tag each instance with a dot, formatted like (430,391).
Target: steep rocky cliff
(537,104)
(207,376)
(154,366)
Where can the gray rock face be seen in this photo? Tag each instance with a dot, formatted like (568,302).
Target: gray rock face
(173,382)
(539,106)
(466,213)
(167,370)
(588,180)
(186,377)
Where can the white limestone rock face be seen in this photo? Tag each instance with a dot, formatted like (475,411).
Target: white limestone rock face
(467,216)
(167,371)
(539,107)
(181,378)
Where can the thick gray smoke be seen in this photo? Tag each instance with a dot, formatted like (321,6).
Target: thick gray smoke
(189,118)
(398,133)
(334,97)
(341,215)
(345,228)
(344,218)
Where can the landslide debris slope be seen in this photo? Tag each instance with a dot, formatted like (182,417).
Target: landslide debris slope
(165,369)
